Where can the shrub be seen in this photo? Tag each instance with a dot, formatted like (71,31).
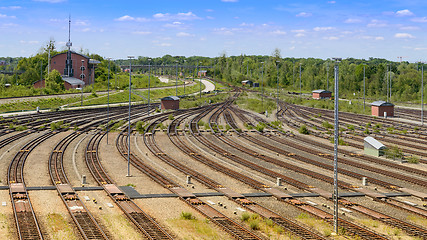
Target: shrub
(186,215)
(21,128)
(327,125)
(303,130)
(245,216)
(413,159)
(140,126)
(394,152)
(254,225)
(350,127)
(260,127)
(171,117)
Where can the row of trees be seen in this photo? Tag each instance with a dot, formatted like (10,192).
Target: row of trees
(315,73)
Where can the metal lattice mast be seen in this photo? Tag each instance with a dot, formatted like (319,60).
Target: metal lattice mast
(336,138)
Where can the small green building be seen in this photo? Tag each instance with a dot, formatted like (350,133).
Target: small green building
(373,147)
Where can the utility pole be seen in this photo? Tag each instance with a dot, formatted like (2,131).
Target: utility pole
(130,89)
(176,81)
(149,76)
(336,138)
(262,86)
(300,93)
(108,93)
(363,88)
(422,94)
(277,97)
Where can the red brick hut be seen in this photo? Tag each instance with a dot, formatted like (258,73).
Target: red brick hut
(380,108)
(202,73)
(322,94)
(171,102)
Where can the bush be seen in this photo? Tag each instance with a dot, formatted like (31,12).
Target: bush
(303,130)
(245,216)
(327,125)
(254,225)
(260,127)
(171,117)
(186,215)
(350,127)
(413,159)
(140,126)
(21,128)
(394,152)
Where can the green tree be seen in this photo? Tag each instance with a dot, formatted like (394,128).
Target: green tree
(54,82)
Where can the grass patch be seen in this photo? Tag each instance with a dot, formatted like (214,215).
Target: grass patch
(60,229)
(303,130)
(197,229)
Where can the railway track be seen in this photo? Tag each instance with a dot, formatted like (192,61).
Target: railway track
(286,223)
(145,223)
(350,227)
(85,222)
(228,225)
(411,229)
(25,218)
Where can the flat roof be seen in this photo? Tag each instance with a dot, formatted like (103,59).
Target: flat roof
(321,91)
(170,98)
(73,81)
(381,103)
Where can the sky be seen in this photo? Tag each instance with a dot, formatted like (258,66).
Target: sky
(299,28)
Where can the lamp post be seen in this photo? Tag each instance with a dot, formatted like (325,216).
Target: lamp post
(422,94)
(108,93)
(300,79)
(130,89)
(176,81)
(336,136)
(200,79)
(83,77)
(262,86)
(364,91)
(277,94)
(149,76)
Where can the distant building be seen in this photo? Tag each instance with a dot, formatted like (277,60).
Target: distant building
(247,83)
(322,94)
(80,67)
(382,109)
(373,147)
(3,63)
(201,73)
(171,102)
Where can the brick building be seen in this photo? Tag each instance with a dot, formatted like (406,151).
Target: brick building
(171,102)
(81,66)
(322,94)
(382,108)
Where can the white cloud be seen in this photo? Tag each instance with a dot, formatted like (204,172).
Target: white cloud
(247,24)
(304,14)
(298,31)
(179,16)
(175,24)
(85,30)
(29,42)
(300,35)
(352,20)
(50,1)
(278,32)
(403,35)
(377,23)
(223,31)
(11,8)
(129,18)
(420,49)
(379,38)
(409,28)
(292,48)
(318,29)
(81,23)
(229,0)
(203,39)
(404,13)
(331,38)
(419,20)
(184,34)
(141,33)
(332,2)
(6,16)
(164,44)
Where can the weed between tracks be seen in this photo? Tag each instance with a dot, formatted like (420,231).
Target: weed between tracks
(192,228)
(59,227)
(312,222)
(120,227)
(5,232)
(266,226)
(417,220)
(377,226)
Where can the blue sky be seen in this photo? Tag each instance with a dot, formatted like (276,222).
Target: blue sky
(320,29)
